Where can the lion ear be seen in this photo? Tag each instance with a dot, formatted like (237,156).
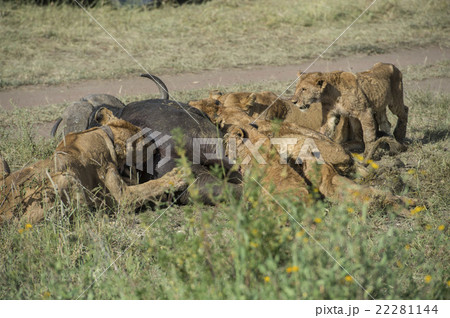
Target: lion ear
(215,94)
(299,73)
(251,101)
(320,83)
(238,132)
(241,133)
(103,116)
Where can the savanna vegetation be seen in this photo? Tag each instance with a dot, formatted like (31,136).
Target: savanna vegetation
(249,249)
(258,247)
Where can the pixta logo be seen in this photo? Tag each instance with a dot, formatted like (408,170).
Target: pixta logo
(145,146)
(141,150)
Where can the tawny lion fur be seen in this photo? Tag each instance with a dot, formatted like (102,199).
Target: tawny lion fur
(225,116)
(297,178)
(361,97)
(303,181)
(267,106)
(82,162)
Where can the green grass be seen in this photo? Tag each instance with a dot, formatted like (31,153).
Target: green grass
(249,249)
(59,44)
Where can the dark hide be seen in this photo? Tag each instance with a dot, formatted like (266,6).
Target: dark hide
(163,116)
(160,115)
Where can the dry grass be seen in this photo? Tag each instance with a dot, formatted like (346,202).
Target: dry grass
(227,251)
(62,44)
(421,72)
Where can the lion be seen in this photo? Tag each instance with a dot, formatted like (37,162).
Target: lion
(225,116)
(285,178)
(268,106)
(330,178)
(361,97)
(82,163)
(255,105)
(302,180)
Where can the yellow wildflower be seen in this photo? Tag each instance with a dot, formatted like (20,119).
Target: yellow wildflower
(28,226)
(46,295)
(448,283)
(370,161)
(350,210)
(399,264)
(417,209)
(254,231)
(253,244)
(348,278)
(374,165)
(295,269)
(427,279)
(300,233)
(411,171)
(358,156)
(428,227)
(305,240)
(267,279)
(407,247)
(289,270)
(318,220)
(21,231)
(441,227)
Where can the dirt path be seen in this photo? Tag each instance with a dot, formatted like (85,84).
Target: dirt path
(35,96)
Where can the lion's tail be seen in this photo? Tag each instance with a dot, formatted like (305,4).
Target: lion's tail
(397,86)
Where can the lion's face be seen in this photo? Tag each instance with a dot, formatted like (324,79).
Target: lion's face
(209,106)
(309,90)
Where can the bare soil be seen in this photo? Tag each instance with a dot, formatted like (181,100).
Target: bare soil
(35,96)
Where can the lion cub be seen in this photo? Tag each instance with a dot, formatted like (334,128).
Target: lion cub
(268,106)
(263,105)
(361,96)
(81,163)
(301,180)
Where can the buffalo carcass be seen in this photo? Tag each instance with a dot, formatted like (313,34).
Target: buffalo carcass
(158,118)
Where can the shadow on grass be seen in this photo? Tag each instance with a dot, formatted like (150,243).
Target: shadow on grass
(436,135)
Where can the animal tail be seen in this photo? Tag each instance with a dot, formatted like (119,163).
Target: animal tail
(394,147)
(55,127)
(161,86)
